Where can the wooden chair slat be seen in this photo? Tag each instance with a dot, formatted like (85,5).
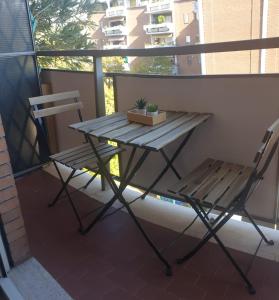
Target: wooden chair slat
(69,151)
(68,156)
(270,138)
(212,182)
(79,155)
(54,97)
(57,110)
(91,155)
(236,187)
(181,184)
(194,185)
(92,163)
(218,191)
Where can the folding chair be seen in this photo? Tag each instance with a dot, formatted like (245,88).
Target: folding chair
(77,158)
(226,187)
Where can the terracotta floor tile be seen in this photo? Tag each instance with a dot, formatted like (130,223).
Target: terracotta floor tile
(114,262)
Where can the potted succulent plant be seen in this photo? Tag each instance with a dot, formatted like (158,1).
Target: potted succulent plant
(152,109)
(141,106)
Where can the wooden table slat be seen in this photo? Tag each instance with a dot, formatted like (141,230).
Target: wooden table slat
(102,124)
(80,125)
(101,131)
(163,130)
(114,133)
(128,137)
(176,132)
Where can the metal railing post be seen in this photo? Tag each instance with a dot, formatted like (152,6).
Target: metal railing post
(99,96)
(99,87)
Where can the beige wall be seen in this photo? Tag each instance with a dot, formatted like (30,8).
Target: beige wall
(226,20)
(191,64)
(243,108)
(97,34)
(67,81)
(272,55)
(135,20)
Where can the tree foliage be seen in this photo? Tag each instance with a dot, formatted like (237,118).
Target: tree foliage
(63,25)
(162,65)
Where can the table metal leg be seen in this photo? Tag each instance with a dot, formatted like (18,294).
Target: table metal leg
(169,164)
(119,195)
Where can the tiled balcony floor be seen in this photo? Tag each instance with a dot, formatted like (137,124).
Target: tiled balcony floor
(113,261)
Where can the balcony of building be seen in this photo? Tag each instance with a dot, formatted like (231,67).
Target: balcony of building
(114,46)
(154,7)
(115,30)
(117,11)
(161,41)
(161,28)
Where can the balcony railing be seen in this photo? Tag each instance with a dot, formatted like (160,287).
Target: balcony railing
(118,11)
(236,88)
(158,28)
(161,6)
(115,30)
(110,47)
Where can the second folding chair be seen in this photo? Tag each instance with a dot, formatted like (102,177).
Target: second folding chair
(226,187)
(79,158)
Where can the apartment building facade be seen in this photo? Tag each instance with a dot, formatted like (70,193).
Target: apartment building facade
(166,23)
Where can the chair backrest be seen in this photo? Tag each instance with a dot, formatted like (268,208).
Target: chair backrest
(267,150)
(261,162)
(39,112)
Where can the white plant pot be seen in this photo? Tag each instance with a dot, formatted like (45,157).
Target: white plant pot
(141,111)
(153,113)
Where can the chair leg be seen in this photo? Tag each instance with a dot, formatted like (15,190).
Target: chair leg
(268,242)
(212,233)
(64,184)
(64,188)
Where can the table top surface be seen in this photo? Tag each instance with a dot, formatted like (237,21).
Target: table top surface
(116,127)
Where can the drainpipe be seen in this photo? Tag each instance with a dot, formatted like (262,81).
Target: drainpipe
(264,35)
(201,34)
